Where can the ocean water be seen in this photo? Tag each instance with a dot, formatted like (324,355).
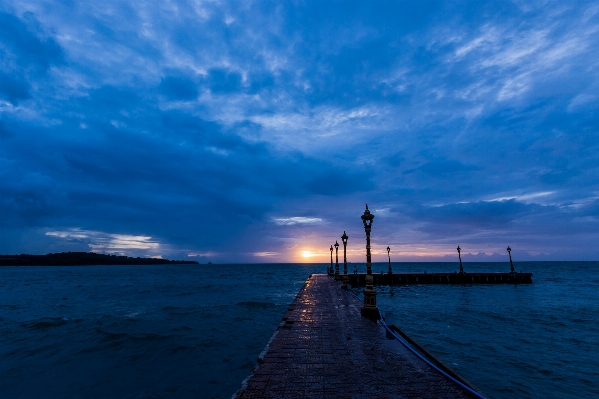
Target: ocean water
(182,331)
(537,340)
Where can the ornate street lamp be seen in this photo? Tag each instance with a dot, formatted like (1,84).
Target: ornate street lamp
(331,268)
(509,252)
(369,310)
(344,238)
(336,260)
(460,256)
(389,256)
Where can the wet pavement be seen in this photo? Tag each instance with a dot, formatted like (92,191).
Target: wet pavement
(323,348)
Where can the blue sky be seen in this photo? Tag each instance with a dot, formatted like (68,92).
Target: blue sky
(257,131)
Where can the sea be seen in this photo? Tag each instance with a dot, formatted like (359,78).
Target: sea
(195,331)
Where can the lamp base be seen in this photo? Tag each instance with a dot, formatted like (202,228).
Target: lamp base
(370,312)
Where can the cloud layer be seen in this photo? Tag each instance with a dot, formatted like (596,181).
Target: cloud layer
(251,132)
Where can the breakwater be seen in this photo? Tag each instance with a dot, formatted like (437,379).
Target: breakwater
(359,280)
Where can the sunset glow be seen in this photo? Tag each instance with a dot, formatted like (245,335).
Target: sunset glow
(307,254)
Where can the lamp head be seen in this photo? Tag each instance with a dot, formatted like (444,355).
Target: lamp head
(336,244)
(344,238)
(459,249)
(509,249)
(367,218)
(388,250)
(331,249)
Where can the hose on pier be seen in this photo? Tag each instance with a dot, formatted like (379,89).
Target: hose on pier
(409,347)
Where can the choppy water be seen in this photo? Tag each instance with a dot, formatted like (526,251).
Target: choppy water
(195,331)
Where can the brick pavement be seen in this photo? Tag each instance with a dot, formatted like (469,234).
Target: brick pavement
(323,348)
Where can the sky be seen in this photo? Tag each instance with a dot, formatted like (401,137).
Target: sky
(255,131)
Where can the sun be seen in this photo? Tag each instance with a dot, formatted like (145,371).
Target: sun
(307,254)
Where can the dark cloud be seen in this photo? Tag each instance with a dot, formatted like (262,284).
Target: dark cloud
(558,176)
(25,55)
(23,46)
(395,160)
(223,80)
(261,80)
(337,181)
(5,132)
(483,213)
(29,199)
(442,166)
(13,89)
(178,88)
(108,100)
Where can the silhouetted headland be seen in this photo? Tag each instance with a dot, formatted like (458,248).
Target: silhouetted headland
(82,259)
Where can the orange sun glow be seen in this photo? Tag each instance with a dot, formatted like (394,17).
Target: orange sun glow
(307,254)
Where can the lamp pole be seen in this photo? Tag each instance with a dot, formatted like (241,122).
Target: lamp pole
(389,256)
(331,268)
(509,252)
(344,238)
(369,310)
(460,256)
(336,260)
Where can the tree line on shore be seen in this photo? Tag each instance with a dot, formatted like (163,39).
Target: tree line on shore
(83,259)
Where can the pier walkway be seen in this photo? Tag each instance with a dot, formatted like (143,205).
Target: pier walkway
(323,348)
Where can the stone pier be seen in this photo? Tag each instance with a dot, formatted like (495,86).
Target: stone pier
(323,348)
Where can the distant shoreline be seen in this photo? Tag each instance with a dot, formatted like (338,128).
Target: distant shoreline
(83,259)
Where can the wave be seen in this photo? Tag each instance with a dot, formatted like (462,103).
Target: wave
(182,310)
(257,304)
(181,348)
(183,328)
(45,323)
(122,338)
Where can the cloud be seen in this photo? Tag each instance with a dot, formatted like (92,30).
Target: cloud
(24,47)
(443,166)
(13,89)
(290,221)
(494,213)
(581,100)
(99,241)
(223,81)
(202,254)
(178,88)
(27,55)
(265,254)
(4,131)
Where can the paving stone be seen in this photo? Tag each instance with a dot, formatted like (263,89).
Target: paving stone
(325,349)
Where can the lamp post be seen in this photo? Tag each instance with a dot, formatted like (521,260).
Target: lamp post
(344,238)
(509,252)
(389,256)
(460,256)
(369,310)
(336,260)
(331,268)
